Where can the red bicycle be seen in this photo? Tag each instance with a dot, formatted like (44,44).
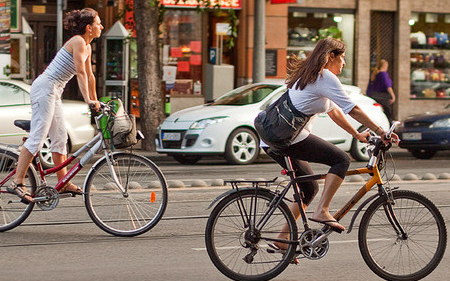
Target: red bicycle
(124,193)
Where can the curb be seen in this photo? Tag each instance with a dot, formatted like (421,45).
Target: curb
(199,183)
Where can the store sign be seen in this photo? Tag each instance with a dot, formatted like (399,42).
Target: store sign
(284,1)
(224,4)
(223,28)
(212,57)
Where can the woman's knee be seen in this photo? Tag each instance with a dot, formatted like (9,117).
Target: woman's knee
(341,166)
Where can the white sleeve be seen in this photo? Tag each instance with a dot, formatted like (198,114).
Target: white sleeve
(336,93)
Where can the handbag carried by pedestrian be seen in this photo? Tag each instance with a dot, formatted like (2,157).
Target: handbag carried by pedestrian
(280,123)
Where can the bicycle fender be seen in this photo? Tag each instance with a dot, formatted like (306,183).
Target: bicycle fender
(231,191)
(355,215)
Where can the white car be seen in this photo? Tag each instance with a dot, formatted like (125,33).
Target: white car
(15,104)
(225,126)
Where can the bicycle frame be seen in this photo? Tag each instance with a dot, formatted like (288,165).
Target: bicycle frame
(294,182)
(92,147)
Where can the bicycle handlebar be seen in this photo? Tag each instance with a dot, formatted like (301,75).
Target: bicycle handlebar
(391,129)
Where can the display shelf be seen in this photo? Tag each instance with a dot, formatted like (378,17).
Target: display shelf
(430,72)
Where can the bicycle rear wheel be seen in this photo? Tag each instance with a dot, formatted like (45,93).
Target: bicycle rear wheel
(393,256)
(237,241)
(133,211)
(12,211)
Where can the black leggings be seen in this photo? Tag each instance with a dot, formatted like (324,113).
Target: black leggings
(316,150)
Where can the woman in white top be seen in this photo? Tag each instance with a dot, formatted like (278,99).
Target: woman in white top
(74,58)
(315,88)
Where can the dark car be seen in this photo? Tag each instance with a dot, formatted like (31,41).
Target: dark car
(425,134)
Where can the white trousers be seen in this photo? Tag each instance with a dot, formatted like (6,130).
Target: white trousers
(46,116)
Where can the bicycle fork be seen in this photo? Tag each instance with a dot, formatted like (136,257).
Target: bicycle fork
(390,214)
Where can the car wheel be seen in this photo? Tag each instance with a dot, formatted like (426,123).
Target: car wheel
(242,147)
(45,155)
(359,149)
(187,159)
(423,153)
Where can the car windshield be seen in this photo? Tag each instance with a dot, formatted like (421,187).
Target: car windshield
(246,95)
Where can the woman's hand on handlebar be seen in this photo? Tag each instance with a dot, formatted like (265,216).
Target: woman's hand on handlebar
(393,138)
(363,136)
(95,105)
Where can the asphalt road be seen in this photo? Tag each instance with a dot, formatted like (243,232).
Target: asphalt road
(64,244)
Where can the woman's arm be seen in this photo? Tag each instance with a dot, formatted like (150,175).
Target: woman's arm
(91,78)
(338,117)
(79,52)
(362,118)
(391,92)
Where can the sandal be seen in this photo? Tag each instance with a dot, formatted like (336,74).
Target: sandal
(65,189)
(330,225)
(17,189)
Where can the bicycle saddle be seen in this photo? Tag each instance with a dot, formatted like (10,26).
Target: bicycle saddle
(23,124)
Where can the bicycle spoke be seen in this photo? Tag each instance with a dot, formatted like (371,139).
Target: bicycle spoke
(137,209)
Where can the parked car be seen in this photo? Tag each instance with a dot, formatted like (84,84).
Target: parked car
(425,134)
(225,126)
(15,104)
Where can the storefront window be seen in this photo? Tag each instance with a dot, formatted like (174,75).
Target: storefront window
(306,27)
(430,56)
(182,40)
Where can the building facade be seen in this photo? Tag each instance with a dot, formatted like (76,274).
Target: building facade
(412,35)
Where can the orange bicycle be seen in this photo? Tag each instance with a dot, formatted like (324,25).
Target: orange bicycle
(402,235)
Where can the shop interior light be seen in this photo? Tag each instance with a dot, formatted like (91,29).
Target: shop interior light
(413,19)
(321,15)
(431,18)
(337,18)
(299,14)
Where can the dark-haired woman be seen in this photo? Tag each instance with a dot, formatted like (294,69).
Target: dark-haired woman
(315,88)
(74,58)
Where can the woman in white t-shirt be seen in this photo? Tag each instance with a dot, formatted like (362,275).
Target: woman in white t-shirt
(314,88)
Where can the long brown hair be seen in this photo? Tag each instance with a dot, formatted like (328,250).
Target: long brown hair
(306,71)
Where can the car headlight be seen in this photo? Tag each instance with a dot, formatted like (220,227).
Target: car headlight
(203,123)
(442,123)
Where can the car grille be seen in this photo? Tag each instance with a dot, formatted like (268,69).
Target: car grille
(188,138)
(417,124)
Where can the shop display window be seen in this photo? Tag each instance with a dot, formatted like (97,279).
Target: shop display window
(114,65)
(182,40)
(307,26)
(430,56)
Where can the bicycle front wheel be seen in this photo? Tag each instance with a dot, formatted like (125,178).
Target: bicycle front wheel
(12,211)
(135,209)
(239,230)
(394,256)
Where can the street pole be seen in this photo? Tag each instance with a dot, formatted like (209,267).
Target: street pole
(59,25)
(259,40)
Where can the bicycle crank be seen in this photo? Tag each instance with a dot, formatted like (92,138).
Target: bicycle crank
(47,198)
(313,244)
